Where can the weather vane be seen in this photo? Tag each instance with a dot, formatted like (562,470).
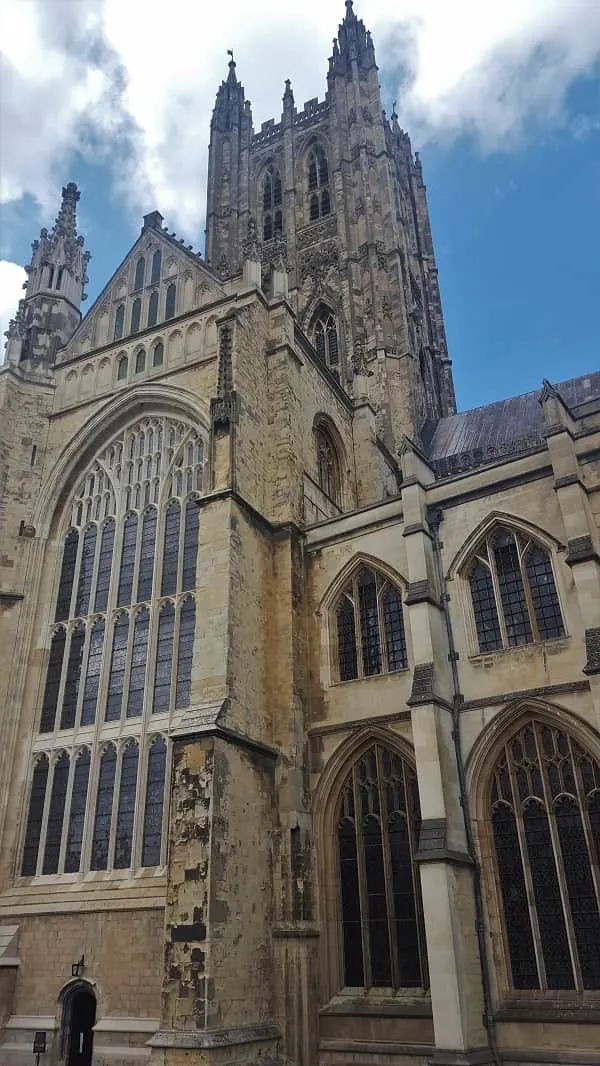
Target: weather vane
(230,53)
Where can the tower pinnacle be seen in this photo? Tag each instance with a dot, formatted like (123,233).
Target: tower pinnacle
(355,44)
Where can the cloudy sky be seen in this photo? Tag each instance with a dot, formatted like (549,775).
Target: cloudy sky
(502,98)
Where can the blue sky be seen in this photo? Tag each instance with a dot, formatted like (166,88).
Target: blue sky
(508,131)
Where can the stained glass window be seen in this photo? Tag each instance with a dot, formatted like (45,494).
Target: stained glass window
(369,625)
(140,361)
(119,322)
(164,658)
(326,342)
(146,563)
(127,560)
(378,824)
(35,816)
(318,183)
(158,354)
(153,806)
(139,658)
(116,682)
(53,676)
(190,545)
(187,625)
(513,592)
(69,704)
(67,575)
(105,565)
(92,679)
(122,368)
(543,831)
(56,814)
(126,807)
(156,263)
(152,309)
(136,314)
(170,549)
(328,465)
(140,268)
(271,199)
(170,302)
(104,804)
(77,812)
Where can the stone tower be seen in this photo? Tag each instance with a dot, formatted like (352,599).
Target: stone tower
(337,195)
(50,312)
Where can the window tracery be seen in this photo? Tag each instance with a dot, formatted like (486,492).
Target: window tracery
(318,184)
(545,817)
(328,466)
(271,204)
(369,625)
(119,651)
(378,823)
(326,342)
(513,592)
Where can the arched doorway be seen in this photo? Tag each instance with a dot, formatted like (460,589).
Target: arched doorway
(79,1018)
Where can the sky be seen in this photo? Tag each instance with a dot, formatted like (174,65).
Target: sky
(501,99)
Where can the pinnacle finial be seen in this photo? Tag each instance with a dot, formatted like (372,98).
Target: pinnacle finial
(66,221)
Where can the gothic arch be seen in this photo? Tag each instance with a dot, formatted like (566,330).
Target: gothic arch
(500,518)
(353,565)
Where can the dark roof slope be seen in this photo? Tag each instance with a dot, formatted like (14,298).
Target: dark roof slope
(507,427)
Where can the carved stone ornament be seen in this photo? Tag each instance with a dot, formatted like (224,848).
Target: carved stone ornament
(223,267)
(359,359)
(317,232)
(366,116)
(251,244)
(315,262)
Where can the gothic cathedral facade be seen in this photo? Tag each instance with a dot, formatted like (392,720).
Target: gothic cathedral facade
(300,668)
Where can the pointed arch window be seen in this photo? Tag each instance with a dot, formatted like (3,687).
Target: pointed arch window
(119,322)
(158,354)
(170,301)
(369,627)
(156,265)
(122,367)
(318,184)
(326,342)
(545,816)
(140,269)
(142,490)
(513,592)
(154,805)
(271,203)
(153,309)
(140,360)
(136,315)
(328,464)
(378,823)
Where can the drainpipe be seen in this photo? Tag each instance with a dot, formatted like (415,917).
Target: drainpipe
(434,519)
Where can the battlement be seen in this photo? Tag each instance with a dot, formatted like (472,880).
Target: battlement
(312,112)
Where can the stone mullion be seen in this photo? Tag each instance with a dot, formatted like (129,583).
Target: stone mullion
(110,860)
(44,830)
(387,871)
(362,882)
(381,624)
(85,653)
(525,580)
(69,628)
(497,594)
(537,940)
(67,809)
(416,883)
(132,615)
(357,630)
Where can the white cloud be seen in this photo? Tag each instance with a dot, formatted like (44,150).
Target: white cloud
(134,80)
(12,277)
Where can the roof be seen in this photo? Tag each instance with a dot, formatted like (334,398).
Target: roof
(507,427)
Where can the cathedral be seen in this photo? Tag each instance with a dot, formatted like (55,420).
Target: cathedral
(299,666)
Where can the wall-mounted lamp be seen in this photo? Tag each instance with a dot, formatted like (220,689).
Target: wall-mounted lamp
(77,967)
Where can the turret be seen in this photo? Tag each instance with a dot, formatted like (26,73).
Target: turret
(354,44)
(54,290)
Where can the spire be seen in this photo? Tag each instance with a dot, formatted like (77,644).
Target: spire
(230,106)
(231,77)
(355,44)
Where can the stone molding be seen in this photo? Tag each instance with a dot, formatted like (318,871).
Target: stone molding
(433,844)
(581,550)
(592,649)
(420,592)
(475,1057)
(215,1038)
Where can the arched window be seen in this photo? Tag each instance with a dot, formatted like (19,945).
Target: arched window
(378,822)
(271,203)
(326,342)
(140,268)
(119,322)
(545,815)
(513,592)
(136,314)
(118,651)
(59,277)
(122,367)
(328,465)
(318,184)
(153,309)
(154,805)
(369,626)
(156,264)
(170,302)
(158,354)
(140,361)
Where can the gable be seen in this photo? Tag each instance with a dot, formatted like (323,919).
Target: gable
(166,263)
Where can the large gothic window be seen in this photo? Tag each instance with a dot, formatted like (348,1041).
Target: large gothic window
(328,465)
(120,651)
(513,592)
(369,627)
(271,204)
(378,823)
(319,197)
(326,342)
(545,814)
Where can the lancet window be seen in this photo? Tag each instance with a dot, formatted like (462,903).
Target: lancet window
(318,184)
(378,823)
(120,647)
(328,465)
(271,204)
(513,592)
(326,342)
(369,627)
(545,815)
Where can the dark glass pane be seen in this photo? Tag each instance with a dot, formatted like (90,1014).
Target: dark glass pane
(139,657)
(155,275)
(268,228)
(126,808)
(187,624)
(153,309)
(105,565)
(56,814)
(127,561)
(333,357)
(55,661)
(158,354)
(346,634)
(190,545)
(104,801)
(325,202)
(581,891)
(146,569)
(69,706)
(551,921)
(77,814)
(320,340)
(170,302)
(170,550)
(139,273)
(484,608)
(92,679)
(164,658)
(122,369)
(267,192)
(67,576)
(153,808)
(543,593)
(350,902)
(393,623)
(323,169)
(369,623)
(514,899)
(512,593)
(407,939)
(314,207)
(34,817)
(377,914)
(278,223)
(276,188)
(116,678)
(140,361)
(136,314)
(119,322)
(312,173)
(594,817)
(86,570)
